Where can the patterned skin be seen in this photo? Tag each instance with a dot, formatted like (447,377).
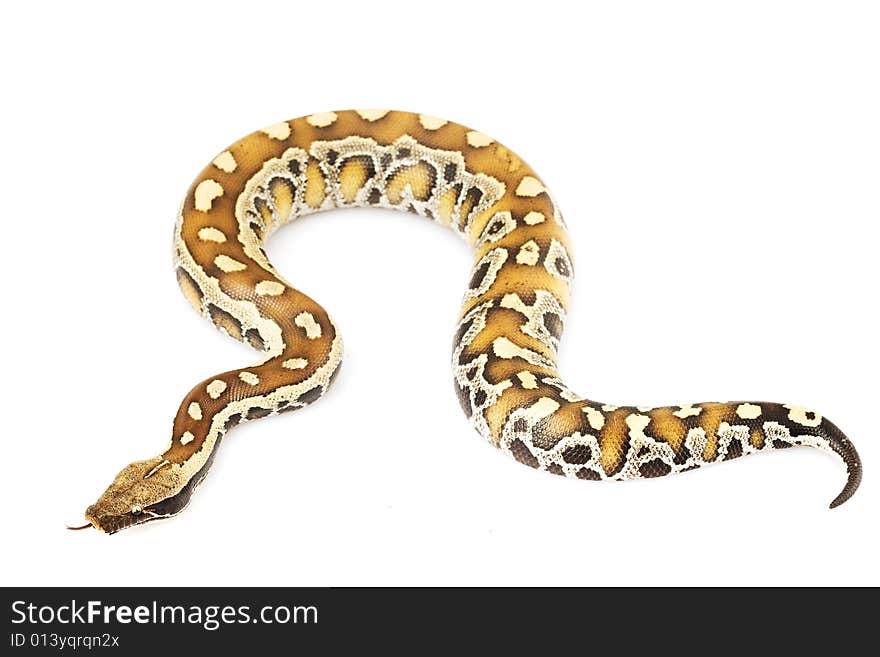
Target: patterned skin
(504,355)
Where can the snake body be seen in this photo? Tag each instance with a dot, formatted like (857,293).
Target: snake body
(504,354)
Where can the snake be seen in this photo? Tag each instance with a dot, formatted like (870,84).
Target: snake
(504,355)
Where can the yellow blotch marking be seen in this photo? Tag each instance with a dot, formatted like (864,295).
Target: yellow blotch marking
(295,363)
(711,420)
(216,388)
(225,162)
(315,185)
(195,411)
(249,377)
(669,427)
(446,205)
(352,177)
(227,264)
(269,288)
(371,114)
(431,122)
(477,139)
(322,119)
(280,131)
(800,415)
(187,438)
(419,177)
(205,193)
(595,418)
(757,438)
(687,411)
(283,195)
(528,380)
(211,234)
(530,186)
(748,411)
(533,218)
(528,254)
(265,213)
(306,321)
(611,441)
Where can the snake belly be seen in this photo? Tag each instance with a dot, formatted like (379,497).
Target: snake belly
(505,349)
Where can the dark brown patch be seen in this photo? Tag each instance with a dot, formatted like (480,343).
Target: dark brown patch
(655,468)
(374,197)
(404,152)
(310,395)
(471,200)
(293,167)
(781,444)
(286,407)
(579,454)
(457,189)
(528,298)
(520,424)
(257,412)
(734,450)
(562,267)
(681,455)
(479,274)
(386,160)
(232,421)
(585,473)
(495,227)
(255,340)
(334,375)
(556,469)
(464,399)
(462,330)
(553,324)
(479,398)
(263,209)
(258,229)
(546,433)
(522,454)
(286,182)
(450,172)
(331,156)
(223,320)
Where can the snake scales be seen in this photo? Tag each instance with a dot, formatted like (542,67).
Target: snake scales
(504,355)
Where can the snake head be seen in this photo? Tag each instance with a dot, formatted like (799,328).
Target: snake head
(142,491)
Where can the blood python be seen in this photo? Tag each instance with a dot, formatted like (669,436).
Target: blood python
(504,353)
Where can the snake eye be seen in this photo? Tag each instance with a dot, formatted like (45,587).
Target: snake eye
(136,510)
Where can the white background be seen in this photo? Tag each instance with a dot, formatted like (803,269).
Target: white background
(717,164)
